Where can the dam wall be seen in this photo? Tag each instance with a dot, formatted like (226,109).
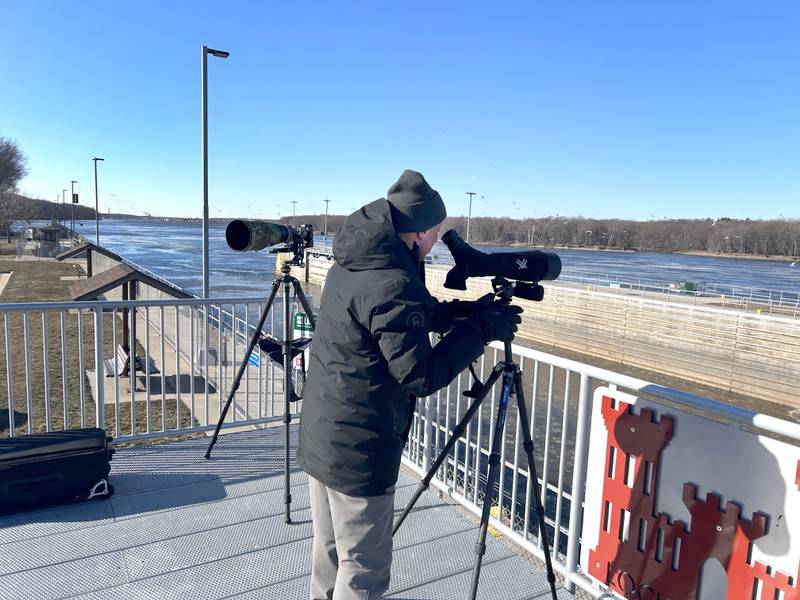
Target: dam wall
(733,350)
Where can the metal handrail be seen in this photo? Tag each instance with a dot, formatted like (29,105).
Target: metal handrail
(111,304)
(202,344)
(461,477)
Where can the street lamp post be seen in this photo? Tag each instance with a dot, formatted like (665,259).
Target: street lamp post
(72,199)
(96,205)
(469,215)
(204,109)
(63,201)
(325,234)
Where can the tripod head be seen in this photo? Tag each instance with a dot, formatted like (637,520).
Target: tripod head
(505,289)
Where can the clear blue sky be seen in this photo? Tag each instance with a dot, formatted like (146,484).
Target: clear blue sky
(623,109)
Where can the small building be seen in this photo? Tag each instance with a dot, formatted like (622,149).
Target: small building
(48,233)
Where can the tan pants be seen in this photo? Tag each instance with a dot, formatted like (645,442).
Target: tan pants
(352,549)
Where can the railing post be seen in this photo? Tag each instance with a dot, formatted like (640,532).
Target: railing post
(578,479)
(427,443)
(99,375)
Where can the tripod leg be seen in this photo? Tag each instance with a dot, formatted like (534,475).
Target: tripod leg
(243,366)
(287,393)
(458,431)
(298,290)
(494,473)
(537,502)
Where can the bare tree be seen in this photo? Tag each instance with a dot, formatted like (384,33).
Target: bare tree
(13,167)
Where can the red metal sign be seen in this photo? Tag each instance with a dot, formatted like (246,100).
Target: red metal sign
(645,555)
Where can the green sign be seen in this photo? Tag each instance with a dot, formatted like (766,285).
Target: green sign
(301,322)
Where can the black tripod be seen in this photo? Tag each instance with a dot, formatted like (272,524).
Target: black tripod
(285,350)
(512,384)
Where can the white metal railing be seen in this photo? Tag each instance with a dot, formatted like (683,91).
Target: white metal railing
(202,342)
(54,357)
(558,392)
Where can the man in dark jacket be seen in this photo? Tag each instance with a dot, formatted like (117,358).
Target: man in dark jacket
(371,359)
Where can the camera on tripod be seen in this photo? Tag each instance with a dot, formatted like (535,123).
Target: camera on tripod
(252,235)
(245,235)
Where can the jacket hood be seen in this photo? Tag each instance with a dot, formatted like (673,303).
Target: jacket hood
(368,240)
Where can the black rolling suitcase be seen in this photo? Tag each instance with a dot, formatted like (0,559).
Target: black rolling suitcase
(41,470)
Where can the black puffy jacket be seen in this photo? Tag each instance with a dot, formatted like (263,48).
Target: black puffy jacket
(372,357)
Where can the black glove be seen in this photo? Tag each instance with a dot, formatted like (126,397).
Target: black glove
(445,314)
(499,321)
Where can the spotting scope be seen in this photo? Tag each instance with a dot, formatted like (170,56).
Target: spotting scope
(243,235)
(530,266)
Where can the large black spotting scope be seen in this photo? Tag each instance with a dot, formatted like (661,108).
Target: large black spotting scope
(252,234)
(528,266)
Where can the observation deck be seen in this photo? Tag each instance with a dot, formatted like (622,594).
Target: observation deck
(180,526)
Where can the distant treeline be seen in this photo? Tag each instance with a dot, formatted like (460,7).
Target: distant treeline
(719,236)
(30,209)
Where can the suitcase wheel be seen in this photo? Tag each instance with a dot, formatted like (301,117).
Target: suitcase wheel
(101,488)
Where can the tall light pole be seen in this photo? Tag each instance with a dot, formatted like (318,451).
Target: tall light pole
(469,215)
(96,205)
(72,198)
(204,106)
(64,199)
(294,204)
(325,234)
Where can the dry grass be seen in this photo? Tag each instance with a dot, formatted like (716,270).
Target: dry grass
(39,281)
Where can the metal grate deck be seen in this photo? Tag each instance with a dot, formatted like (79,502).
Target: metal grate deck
(181,527)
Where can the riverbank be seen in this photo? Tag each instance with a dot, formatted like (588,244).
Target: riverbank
(789,259)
